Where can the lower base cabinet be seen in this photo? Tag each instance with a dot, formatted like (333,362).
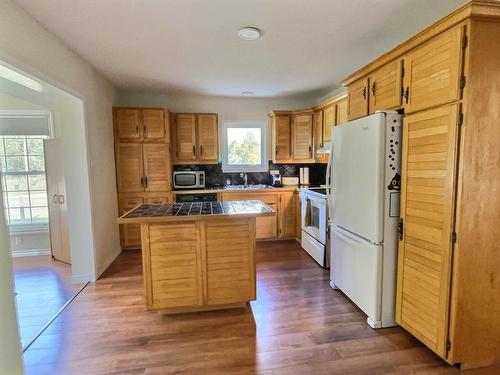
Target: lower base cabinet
(199,264)
(130,234)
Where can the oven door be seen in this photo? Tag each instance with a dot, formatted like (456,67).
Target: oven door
(185,180)
(314,216)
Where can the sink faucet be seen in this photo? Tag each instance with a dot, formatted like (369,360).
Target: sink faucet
(244,175)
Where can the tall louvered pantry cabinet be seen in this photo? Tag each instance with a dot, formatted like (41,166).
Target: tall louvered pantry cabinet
(448,293)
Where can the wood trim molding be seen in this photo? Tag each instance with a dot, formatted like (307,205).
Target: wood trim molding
(330,101)
(473,9)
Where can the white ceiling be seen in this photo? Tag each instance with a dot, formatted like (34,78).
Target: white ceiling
(307,46)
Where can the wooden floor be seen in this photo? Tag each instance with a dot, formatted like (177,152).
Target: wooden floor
(298,325)
(43,286)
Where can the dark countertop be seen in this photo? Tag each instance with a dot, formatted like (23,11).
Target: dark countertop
(195,210)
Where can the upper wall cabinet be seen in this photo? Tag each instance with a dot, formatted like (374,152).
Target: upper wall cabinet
(329,118)
(302,137)
(433,71)
(195,138)
(357,99)
(136,124)
(341,112)
(385,86)
(281,136)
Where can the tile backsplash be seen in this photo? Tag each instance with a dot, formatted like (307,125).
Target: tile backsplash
(215,176)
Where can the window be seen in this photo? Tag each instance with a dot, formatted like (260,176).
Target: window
(23,182)
(244,147)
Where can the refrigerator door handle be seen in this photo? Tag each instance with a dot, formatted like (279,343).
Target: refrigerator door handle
(329,195)
(348,238)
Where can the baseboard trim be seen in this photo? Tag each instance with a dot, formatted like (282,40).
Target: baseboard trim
(30,253)
(78,279)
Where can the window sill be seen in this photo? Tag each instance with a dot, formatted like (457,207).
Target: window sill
(29,229)
(244,170)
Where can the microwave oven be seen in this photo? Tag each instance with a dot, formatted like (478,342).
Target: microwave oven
(189,179)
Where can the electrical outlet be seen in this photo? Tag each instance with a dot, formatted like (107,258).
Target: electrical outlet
(18,240)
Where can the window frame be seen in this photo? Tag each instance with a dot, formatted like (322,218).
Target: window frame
(26,227)
(263,166)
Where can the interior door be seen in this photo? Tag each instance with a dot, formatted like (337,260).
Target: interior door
(129,161)
(185,137)
(302,133)
(282,138)
(208,137)
(127,123)
(153,124)
(432,71)
(58,209)
(357,99)
(427,204)
(157,167)
(386,83)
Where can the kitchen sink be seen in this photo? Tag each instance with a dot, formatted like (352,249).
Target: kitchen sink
(248,187)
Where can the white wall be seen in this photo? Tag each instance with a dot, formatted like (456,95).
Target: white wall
(228,108)
(10,346)
(25,44)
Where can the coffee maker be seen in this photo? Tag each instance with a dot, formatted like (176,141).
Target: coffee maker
(275,179)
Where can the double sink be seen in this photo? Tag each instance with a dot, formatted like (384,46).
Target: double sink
(248,187)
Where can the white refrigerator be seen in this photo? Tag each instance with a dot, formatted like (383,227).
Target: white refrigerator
(364,179)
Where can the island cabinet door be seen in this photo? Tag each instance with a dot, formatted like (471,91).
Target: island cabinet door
(230,263)
(172,265)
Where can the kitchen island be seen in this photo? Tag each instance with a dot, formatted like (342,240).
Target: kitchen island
(198,256)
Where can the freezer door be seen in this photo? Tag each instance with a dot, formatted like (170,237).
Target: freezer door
(358,176)
(356,269)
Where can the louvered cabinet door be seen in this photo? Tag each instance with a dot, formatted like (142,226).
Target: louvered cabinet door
(185,137)
(287,214)
(157,167)
(318,135)
(341,112)
(173,277)
(129,169)
(208,137)
(154,124)
(127,124)
(282,138)
(302,138)
(230,252)
(329,115)
(427,205)
(130,233)
(385,86)
(433,71)
(357,99)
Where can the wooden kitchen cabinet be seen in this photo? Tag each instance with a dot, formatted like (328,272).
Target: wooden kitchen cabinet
(137,124)
(196,138)
(287,215)
(281,136)
(157,167)
(318,136)
(302,137)
(433,71)
(430,142)
(143,167)
(357,99)
(130,234)
(341,112)
(329,118)
(129,167)
(185,137)
(208,137)
(385,86)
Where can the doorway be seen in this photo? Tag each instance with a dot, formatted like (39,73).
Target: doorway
(34,200)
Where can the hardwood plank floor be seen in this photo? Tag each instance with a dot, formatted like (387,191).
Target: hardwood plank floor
(43,286)
(298,325)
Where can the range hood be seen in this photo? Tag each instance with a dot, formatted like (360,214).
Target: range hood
(326,149)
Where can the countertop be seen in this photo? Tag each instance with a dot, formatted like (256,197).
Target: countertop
(194,210)
(270,189)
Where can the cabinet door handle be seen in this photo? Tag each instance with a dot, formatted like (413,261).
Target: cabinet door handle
(310,150)
(373,88)
(406,94)
(194,150)
(142,181)
(201,150)
(146,181)
(276,149)
(145,130)
(137,129)
(364,93)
